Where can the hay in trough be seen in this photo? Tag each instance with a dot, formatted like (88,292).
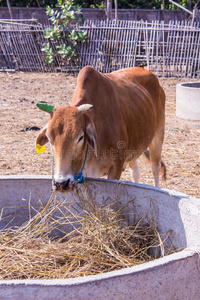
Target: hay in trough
(97,239)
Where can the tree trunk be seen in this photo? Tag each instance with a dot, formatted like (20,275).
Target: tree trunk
(109,9)
(10,12)
(116,10)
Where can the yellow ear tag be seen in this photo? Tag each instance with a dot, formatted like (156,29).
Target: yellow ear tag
(40,149)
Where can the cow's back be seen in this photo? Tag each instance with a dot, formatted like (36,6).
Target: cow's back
(149,82)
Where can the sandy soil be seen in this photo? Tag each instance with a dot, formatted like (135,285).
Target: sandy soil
(21,91)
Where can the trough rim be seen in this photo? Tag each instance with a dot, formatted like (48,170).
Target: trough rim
(96,180)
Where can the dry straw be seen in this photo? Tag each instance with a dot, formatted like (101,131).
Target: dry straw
(92,241)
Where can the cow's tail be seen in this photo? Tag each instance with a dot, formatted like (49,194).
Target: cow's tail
(163,166)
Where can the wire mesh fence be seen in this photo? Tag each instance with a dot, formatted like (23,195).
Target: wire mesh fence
(166,49)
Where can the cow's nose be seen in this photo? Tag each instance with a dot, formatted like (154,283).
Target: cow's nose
(62,186)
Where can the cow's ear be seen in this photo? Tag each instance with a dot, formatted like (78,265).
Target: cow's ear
(91,137)
(42,138)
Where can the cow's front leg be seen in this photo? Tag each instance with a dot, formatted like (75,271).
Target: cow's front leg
(115,171)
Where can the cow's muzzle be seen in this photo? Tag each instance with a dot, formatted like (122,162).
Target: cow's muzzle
(62,186)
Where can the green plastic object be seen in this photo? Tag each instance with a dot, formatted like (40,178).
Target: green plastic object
(46,107)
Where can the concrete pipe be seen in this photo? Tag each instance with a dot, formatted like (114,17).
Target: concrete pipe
(188,100)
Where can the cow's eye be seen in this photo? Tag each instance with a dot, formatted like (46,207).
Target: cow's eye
(80,139)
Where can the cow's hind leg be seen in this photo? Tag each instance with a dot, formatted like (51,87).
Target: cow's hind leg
(135,170)
(155,149)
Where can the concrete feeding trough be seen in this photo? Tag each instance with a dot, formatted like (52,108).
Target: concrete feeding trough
(188,101)
(175,276)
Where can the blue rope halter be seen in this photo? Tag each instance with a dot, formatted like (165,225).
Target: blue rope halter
(78,178)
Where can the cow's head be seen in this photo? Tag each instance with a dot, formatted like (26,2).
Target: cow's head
(68,130)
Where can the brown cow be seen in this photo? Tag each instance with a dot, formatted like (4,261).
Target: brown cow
(119,115)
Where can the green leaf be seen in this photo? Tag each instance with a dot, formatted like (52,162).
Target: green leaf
(83,37)
(49,11)
(49,59)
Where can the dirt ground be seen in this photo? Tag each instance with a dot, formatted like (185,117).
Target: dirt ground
(21,91)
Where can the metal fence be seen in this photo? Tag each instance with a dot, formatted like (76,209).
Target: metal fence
(166,49)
